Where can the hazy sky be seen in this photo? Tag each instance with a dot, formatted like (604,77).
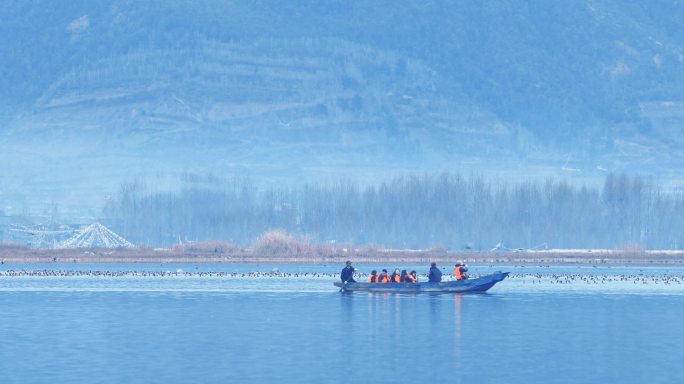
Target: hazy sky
(96,93)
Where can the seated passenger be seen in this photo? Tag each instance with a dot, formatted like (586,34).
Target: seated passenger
(373,278)
(411,277)
(396,276)
(384,277)
(403,278)
(435,275)
(460,271)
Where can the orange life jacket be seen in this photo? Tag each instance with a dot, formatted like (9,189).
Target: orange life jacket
(384,278)
(373,279)
(411,278)
(397,278)
(457,273)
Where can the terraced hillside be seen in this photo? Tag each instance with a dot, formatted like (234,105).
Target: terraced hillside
(99,92)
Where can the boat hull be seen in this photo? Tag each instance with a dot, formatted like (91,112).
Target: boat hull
(480,284)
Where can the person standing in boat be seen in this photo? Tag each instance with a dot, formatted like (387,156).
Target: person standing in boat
(460,271)
(347,274)
(435,275)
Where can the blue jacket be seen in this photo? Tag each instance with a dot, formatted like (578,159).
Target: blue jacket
(435,275)
(347,275)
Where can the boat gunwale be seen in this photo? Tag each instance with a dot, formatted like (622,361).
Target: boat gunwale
(479,284)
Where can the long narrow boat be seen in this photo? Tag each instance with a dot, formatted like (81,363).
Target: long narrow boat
(480,284)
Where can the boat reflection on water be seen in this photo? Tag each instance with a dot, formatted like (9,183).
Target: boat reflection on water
(457,338)
(387,322)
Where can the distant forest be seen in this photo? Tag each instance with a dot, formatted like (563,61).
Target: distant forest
(441,211)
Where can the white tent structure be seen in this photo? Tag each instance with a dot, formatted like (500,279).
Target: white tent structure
(95,236)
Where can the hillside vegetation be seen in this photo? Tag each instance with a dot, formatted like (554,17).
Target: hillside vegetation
(96,92)
(438,212)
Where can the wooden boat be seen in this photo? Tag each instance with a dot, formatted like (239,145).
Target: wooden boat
(479,284)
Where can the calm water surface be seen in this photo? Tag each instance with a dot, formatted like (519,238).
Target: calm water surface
(611,325)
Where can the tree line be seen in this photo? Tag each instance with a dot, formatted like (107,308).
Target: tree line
(445,211)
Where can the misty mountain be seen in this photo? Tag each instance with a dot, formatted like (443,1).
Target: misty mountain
(98,92)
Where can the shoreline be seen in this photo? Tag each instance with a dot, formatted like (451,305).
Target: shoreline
(361,256)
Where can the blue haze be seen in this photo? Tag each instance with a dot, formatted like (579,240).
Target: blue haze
(221,330)
(96,93)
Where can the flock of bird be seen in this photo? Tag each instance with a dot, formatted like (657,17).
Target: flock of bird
(577,278)
(161,274)
(524,278)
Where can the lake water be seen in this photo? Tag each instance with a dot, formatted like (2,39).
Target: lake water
(75,323)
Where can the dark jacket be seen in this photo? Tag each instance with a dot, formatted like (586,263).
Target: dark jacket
(435,275)
(347,275)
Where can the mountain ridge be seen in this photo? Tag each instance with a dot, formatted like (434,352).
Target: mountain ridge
(344,89)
